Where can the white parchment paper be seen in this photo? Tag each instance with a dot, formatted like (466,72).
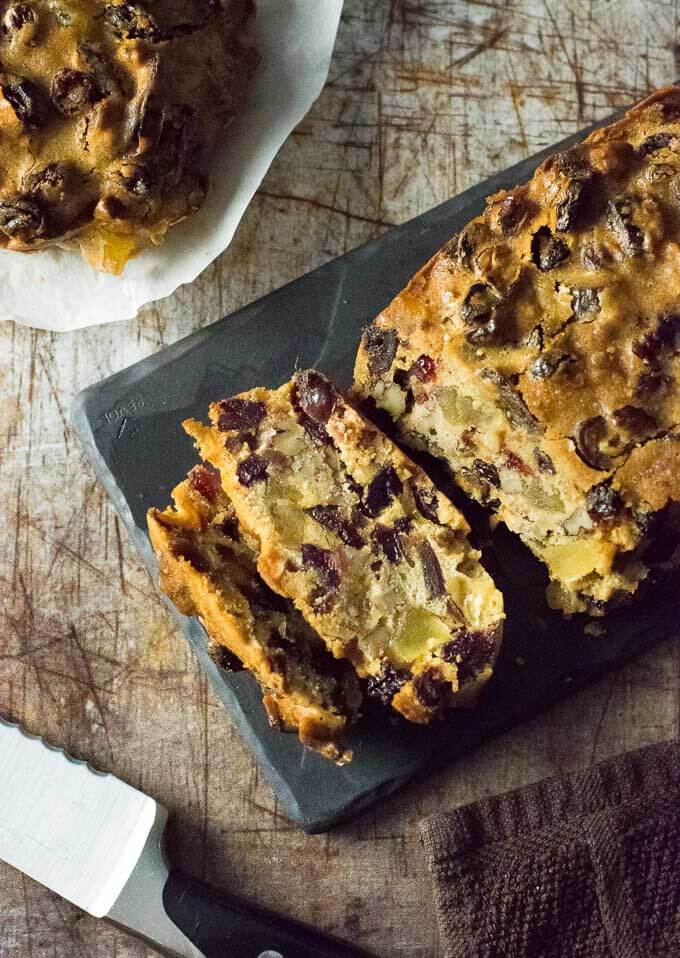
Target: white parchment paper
(58,290)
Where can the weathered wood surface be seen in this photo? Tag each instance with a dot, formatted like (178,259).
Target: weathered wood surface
(424,99)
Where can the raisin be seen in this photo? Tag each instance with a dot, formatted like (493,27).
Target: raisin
(573,163)
(603,502)
(20,18)
(100,69)
(655,142)
(544,462)
(660,341)
(385,685)
(487,472)
(253,469)
(424,368)
(547,364)
(130,21)
(27,101)
(240,414)
(226,659)
(381,491)
(432,690)
(479,305)
(535,339)
(388,540)
(432,570)
(322,561)
(73,92)
(514,211)
(427,502)
(587,438)
(648,384)
(635,421)
(547,251)
(331,518)
(469,651)
(22,219)
(512,404)
(585,300)
(482,334)
(381,347)
(571,209)
(206,482)
(142,181)
(620,222)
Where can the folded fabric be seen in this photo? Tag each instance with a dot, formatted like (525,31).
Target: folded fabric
(584,866)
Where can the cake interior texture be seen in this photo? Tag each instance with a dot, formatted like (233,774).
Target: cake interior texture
(208,568)
(537,354)
(349,529)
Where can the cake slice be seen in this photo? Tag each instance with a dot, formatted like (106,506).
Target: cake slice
(356,535)
(538,354)
(208,568)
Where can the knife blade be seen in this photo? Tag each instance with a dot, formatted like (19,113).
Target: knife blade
(98,842)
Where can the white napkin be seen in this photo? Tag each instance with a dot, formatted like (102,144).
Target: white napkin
(58,290)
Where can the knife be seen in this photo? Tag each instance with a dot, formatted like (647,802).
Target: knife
(98,842)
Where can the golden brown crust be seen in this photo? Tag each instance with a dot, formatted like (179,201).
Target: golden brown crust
(537,353)
(109,113)
(357,536)
(207,568)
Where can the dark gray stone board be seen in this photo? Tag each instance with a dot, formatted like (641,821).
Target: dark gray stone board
(130,427)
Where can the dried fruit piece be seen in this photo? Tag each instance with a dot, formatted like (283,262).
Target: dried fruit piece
(649,384)
(635,421)
(131,21)
(661,341)
(547,364)
(73,92)
(547,251)
(470,652)
(427,502)
(480,304)
(389,539)
(26,99)
(512,404)
(620,222)
(381,347)
(385,685)
(240,414)
(20,22)
(431,688)
(573,205)
(22,219)
(331,517)
(603,502)
(585,301)
(587,438)
(655,142)
(205,481)
(381,491)
(322,561)
(432,570)
(514,211)
(315,395)
(544,462)
(253,469)
(487,472)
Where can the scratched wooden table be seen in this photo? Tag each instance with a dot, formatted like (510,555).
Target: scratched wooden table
(424,99)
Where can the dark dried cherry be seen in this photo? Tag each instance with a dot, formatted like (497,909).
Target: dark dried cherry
(573,206)
(469,651)
(316,396)
(648,384)
(251,470)
(544,462)
(514,211)
(660,341)
(331,517)
(381,490)
(479,305)
(381,348)
(131,21)
(655,142)
(240,414)
(23,219)
(635,421)
(205,480)
(27,101)
(547,251)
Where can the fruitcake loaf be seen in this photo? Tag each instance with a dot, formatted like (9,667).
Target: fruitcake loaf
(208,568)
(108,115)
(537,353)
(352,531)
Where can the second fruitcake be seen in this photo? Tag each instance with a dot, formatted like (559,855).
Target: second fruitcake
(375,558)
(538,354)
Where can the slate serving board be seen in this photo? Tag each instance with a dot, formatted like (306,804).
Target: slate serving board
(129,425)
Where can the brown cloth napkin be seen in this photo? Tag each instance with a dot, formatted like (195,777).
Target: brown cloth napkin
(585,866)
